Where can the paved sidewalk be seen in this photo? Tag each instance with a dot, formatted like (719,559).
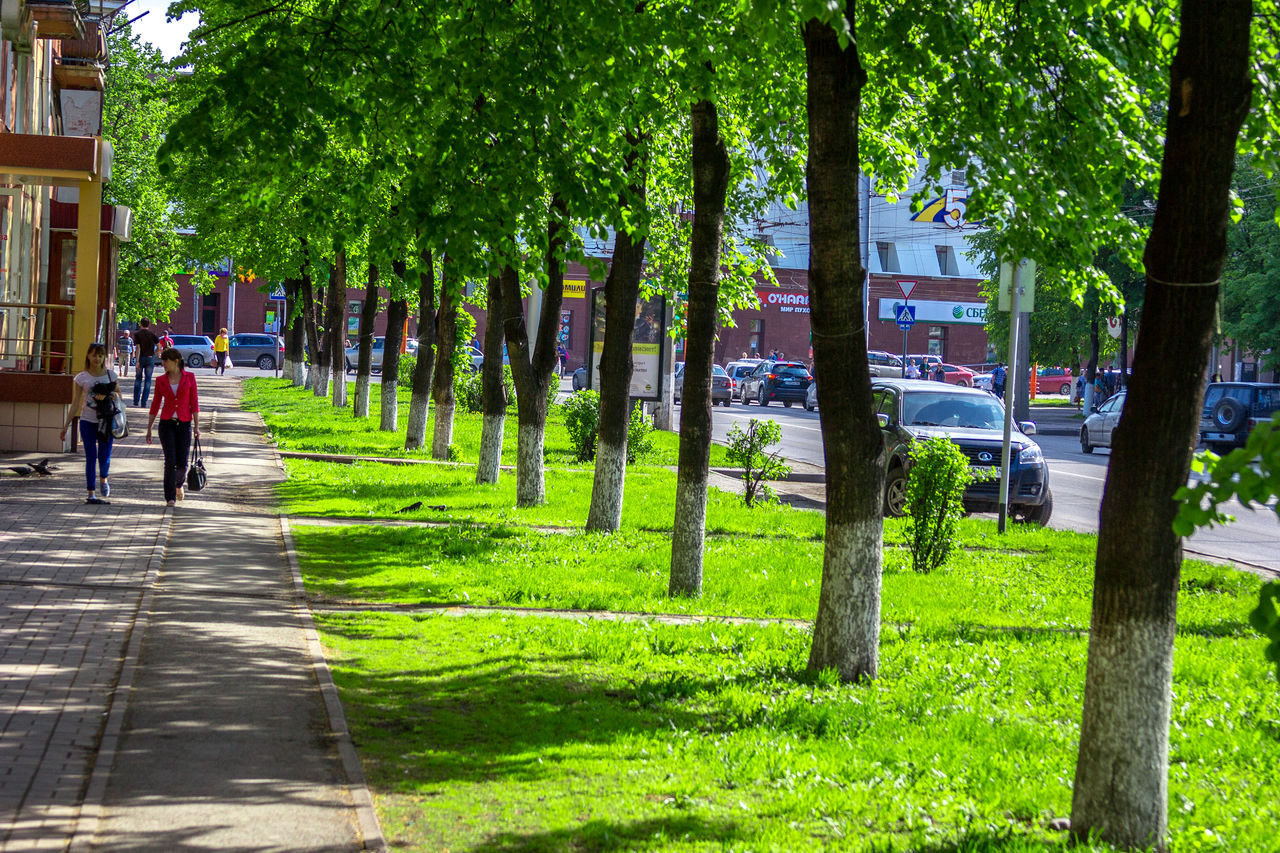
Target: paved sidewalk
(158,683)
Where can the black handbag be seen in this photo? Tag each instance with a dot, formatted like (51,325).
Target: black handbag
(196,475)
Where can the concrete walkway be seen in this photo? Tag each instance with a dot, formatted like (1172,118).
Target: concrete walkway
(160,680)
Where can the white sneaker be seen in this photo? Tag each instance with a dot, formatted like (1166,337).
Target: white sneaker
(106,489)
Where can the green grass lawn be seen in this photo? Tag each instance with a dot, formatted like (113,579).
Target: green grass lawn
(530,733)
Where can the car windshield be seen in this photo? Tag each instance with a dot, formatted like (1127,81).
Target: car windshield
(966,411)
(718,370)
(790,370)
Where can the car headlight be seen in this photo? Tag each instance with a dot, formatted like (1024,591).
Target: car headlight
(1030,455)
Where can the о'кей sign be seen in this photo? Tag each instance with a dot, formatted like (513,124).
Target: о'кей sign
(786,301)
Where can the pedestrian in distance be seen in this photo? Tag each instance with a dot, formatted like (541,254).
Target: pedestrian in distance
(125,346)
(166,342)
(939,375)
(95,398)
(177,403)
(562,358)
(912,371)
(998,377)
(147,342)
(221,352)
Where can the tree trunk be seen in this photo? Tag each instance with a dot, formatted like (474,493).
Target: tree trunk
(533,374)
(446,343)
(297,337)
(493,397)
(621,289)
(364,364)
(338,309)
(420,398)
(1122,769)
(330,335)
(710,184)
(846,631)
(397,313)
(1091,369)
(1124,349)
(309,325)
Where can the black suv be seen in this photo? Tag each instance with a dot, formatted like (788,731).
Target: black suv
(776,380)
(1231,411)
(911,409)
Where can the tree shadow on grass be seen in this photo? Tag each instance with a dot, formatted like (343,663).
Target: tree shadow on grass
(600,835)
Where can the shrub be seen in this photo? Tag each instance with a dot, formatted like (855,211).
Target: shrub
(939,475)
(467,391)
(639,434)
(747,451)
(582,420)
(405,377)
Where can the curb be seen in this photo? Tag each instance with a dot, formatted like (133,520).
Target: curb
(357,786)
(362,800)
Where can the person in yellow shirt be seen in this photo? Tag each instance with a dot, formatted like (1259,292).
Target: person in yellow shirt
(221,355)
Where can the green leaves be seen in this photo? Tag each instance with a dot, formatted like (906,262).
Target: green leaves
(1266,619)
(1250,473)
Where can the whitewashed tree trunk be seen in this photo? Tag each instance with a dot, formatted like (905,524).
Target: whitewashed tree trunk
(847,628)
(605,514)
(298,374)
(531,487)
(688,535)
(340,384)
(443,435)
(320,385)
(415,432)
(490,449)
(362,396)
(390,414)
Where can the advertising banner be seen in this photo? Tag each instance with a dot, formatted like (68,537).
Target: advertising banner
(647,335)
(933,311)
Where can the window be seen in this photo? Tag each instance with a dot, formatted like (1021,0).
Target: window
(888,257)
(937,340)
(757,337)
(957,177)
(947,260)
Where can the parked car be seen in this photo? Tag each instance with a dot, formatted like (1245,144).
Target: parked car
(885,364)
(776,380)
(921,359)
(738,371)
(1097,429)
(916,409)
(580,378)
(983,382)
(1054,380)
(197,350)
(375,353)
(811,396)
(250,348)
(721,389)
(955,375)
(473,352)
(1231,411)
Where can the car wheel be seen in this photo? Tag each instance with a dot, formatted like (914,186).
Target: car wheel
(808,408)
(761,401)
(1229,415)
(195,360)
(266,362)
(1084,440)
(786,404)
(1064,388)
(895,493)
(1038,515)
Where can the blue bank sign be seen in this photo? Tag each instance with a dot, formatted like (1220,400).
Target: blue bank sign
(938,312)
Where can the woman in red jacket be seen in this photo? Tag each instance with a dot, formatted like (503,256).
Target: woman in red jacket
(178,405)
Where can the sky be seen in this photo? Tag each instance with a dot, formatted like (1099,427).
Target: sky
(165,36)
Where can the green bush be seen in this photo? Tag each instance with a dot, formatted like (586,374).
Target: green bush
(747,451)
(939,475)
(405,377)
(467,388)
(582,420)
(639,434)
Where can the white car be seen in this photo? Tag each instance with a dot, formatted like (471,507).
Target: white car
(1101,425)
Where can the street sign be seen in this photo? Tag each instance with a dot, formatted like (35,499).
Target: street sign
(1113,327)
(1027,300)
(906,287)
(277,293)
(906,316)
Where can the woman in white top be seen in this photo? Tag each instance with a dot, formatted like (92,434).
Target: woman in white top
(86,402)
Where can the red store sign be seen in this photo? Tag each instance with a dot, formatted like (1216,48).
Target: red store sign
(786,301)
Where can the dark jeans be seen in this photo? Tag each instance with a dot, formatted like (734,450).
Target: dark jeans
(175,441)
(142,380)
(97,454)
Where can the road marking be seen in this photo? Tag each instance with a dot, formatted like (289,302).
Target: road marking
(783,424)
(1081,476)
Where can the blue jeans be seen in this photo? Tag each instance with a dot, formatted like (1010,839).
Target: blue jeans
(175,441)
(142,380)
(97,454)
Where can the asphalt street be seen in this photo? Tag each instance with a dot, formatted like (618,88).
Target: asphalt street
(1077,481)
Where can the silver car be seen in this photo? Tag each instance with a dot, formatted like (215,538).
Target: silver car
(375,354)
(1101,425)
(260,349)
(197,350)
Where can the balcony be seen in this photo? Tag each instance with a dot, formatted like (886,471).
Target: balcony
(56,20)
